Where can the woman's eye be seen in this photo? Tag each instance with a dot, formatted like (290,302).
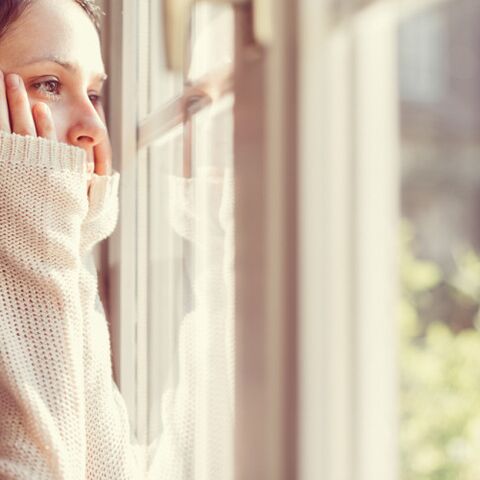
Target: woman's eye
(95,98)
(50,88)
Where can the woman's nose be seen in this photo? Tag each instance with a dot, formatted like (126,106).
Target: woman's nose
(87,128)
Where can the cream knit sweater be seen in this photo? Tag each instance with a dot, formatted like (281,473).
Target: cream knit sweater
(61,414)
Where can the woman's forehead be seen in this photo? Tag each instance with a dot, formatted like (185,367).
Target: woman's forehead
(58,29)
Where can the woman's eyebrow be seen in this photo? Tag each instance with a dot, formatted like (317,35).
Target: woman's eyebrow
(102,76)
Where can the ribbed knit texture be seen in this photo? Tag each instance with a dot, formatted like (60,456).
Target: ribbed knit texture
(61,415)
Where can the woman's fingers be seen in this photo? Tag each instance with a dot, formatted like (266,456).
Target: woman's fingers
(17,116)
(4,120)
(44,121)
(21,120)
(103,151)
(103,157)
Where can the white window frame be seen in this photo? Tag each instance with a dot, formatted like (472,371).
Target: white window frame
(122,245)
(349,202)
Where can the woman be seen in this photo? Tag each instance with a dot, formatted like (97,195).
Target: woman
(61,415)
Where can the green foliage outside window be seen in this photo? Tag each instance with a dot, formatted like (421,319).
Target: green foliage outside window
(440,372)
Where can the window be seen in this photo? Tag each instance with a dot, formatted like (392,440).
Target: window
(262,251)
(389,217)
(190,227)
(173,303)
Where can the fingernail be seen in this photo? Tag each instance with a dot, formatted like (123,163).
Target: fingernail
(12,80)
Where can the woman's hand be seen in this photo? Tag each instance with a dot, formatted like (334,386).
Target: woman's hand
(16,116)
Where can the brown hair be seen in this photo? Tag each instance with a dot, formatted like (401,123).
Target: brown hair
(10,11)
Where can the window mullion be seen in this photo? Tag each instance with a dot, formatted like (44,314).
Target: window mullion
(122,243)
(195,97)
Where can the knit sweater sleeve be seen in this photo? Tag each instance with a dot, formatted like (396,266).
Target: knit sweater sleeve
(43,203)
(112,451)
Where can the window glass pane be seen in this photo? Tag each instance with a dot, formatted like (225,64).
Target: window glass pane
(164,84)
(167,289)
(211,266)
(211,39)
(191,328)
(190,269)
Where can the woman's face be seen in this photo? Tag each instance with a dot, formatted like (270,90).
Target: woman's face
(55,48)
